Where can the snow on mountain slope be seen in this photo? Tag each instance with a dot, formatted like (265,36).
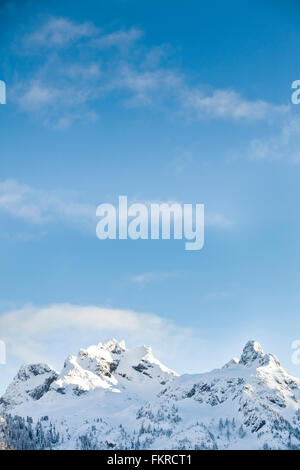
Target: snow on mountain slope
(254,397)
(110,397)
(111,367)
(31,383)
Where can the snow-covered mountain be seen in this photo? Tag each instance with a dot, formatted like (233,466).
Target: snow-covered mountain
(31,383)
(109,397)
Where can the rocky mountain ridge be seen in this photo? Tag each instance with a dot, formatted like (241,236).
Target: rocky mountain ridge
(110,397)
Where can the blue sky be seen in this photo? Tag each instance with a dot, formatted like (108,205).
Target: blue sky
(188,102)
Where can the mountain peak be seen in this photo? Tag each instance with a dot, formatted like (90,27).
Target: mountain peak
(114,346)
(253,353)
(28,371)
(233,362)
(111,367)
(105,399)
(31,383)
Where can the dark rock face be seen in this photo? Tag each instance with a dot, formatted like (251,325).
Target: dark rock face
(27,371)
(38,392)
(251,403)
(31,383)
(252,352)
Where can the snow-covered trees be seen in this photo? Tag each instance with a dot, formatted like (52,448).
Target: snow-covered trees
(103,399)
(22,434)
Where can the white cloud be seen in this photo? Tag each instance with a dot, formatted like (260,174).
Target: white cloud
(42,207)
(230,104)
(211,219)
(284,144)
(59,106)
(60,32)
(154,87)
(80,71)
(121,39)
(73,89)
(171,90)
(37,95)
(145,278)
(63,85)
(52,332)
(218,220)
(67,119)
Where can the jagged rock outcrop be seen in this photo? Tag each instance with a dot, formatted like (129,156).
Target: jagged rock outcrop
(109,397)
(31,383)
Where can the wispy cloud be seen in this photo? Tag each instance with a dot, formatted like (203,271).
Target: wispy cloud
(146,278)
(59,32)
(120,39)
(36,95)
(41,207)
(218,220)
(181,161)
(212,219)
(46,207)
(83,65)
(150,87)
(57,106)
(50,333)
(80,71)
(230,104)
(284,144)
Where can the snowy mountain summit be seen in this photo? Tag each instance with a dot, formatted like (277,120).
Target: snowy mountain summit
(110,397)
